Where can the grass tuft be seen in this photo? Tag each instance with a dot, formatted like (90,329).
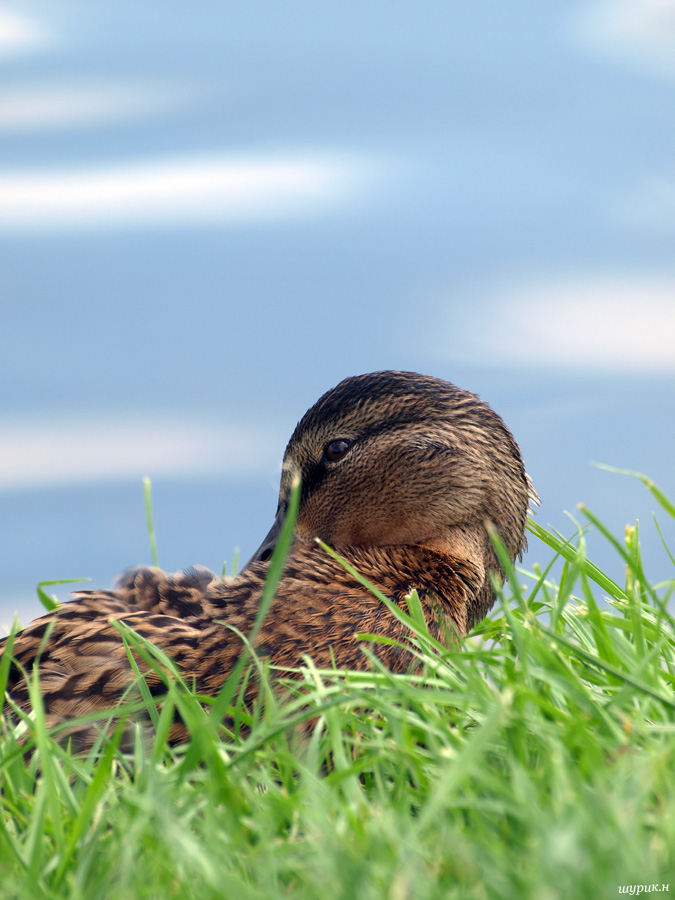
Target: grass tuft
(537,761)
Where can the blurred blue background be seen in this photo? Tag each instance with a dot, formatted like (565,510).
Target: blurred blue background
(211,213)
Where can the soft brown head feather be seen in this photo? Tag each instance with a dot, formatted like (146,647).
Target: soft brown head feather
(428,464)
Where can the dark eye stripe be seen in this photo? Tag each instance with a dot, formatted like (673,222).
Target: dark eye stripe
(336,450)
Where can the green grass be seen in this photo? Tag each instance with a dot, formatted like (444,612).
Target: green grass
(537,762)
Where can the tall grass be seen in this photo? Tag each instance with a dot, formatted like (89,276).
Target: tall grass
(537,761)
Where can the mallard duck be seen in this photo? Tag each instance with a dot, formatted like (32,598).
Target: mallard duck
(400,473)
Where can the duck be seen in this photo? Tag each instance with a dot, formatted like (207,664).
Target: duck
(402,475)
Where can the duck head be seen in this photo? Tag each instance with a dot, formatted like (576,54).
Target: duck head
(401,459)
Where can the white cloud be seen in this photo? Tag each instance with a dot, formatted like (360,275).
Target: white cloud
(161,192)
(606,323)
(73,451)
(640,31)
(21,34)
(45,107)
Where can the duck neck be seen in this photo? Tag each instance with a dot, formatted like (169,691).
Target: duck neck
(472,547)
(452,582)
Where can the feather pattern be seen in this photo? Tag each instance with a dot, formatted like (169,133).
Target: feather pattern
(401,473)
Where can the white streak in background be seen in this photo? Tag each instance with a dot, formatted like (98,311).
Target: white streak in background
(641,31)
(20,34)
(197,190)
(593,323)
(50,107)
(650,205)
(42,454)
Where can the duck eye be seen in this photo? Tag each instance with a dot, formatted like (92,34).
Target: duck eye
(336,450)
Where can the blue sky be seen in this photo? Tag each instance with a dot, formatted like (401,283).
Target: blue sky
(209,215)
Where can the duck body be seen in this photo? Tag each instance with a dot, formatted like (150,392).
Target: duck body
(400,473)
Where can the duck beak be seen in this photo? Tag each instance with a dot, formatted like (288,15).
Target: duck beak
(265,550)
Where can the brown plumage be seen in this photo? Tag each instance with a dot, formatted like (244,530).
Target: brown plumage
(400,473)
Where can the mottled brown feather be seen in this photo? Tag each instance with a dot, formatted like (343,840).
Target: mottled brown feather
(429,466)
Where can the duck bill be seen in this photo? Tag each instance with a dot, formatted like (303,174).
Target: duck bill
(265,550)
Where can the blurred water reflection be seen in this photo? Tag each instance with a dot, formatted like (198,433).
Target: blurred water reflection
(209,216)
